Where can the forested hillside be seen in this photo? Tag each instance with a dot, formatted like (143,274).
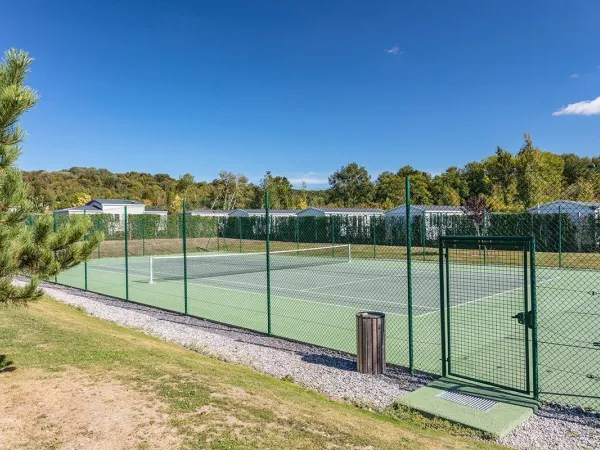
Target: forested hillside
(502,181)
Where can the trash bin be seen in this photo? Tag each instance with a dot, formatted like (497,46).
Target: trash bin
(370,342)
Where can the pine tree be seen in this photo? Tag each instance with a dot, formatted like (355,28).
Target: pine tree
(34,251)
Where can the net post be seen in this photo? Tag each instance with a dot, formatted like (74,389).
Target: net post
(268,250)
(54,230)
(239,221)
(184,248)
(559,238)
(485,234)
(534,335)
(150,268)
(126,254)
(85,267)
(411,365)
(349,252)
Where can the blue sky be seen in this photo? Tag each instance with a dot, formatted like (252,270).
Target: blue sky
(302,88)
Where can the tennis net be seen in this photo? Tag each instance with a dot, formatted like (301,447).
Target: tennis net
(172,267)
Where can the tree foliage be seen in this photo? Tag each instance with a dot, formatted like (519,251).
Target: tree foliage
(34,251)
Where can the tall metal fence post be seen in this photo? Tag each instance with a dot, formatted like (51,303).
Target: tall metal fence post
(268,249)
(332,226)
(240,232)
(442,310)
(297,231)
(184,245)
(98,227)
(217,230)
(411,365)
(485,234)
(143,236)
(126,255)
(534,331)
(423,232)
(85,267)
(54,229)
(374,227)
(559,238)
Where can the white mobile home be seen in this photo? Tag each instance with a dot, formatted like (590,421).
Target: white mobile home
(322,211)
(261,212)
(436,219)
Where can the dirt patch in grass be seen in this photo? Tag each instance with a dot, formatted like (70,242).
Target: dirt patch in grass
(71,409)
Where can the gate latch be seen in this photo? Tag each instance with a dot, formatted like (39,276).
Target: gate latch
(525,318)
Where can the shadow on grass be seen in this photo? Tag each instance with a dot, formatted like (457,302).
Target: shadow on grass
(6,365)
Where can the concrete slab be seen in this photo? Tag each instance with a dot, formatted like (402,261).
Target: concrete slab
(492,410)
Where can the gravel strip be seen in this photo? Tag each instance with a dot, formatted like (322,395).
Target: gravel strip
(556,428)
(330,372)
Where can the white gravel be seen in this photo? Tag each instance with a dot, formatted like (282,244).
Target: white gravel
(326,371)
(557,428)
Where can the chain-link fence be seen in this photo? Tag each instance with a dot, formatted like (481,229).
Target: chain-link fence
(305,277)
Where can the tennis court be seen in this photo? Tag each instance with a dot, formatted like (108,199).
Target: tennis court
(315,293)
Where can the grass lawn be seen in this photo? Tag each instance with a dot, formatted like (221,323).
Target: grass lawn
(68,380)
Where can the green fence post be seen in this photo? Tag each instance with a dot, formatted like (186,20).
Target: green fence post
(240,232)
(126,256)
(218,243)
(485,234)
(442,310)
(184,242)
(143,236)
(297,226)
(534,335)
(411,365)
(268,249)
(559,238)
(98,227)
(331,225)
(54,230)
(374,226)
(85,267)
(423,233)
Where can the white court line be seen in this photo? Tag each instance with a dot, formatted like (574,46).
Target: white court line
(433,310)
(281,296)
(490,296)
(345,283)
(315,293)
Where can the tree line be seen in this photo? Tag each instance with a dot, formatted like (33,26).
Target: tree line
(503,181)
(500,182)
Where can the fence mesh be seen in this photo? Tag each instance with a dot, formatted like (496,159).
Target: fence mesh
(325,268)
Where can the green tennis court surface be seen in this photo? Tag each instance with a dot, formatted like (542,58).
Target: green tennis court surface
(317,304)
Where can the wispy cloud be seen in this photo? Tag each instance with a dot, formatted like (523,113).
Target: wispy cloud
(310,178)
(395,50)
(574,75)
(584,108)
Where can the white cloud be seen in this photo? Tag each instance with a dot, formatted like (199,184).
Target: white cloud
(395,50)
(310,178)
(585,108)
(574,75)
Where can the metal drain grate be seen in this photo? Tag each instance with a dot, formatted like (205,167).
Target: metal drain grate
(472,401)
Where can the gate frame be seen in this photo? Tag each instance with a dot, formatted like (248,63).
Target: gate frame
(531,347)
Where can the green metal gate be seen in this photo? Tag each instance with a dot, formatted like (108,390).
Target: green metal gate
(488,310)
